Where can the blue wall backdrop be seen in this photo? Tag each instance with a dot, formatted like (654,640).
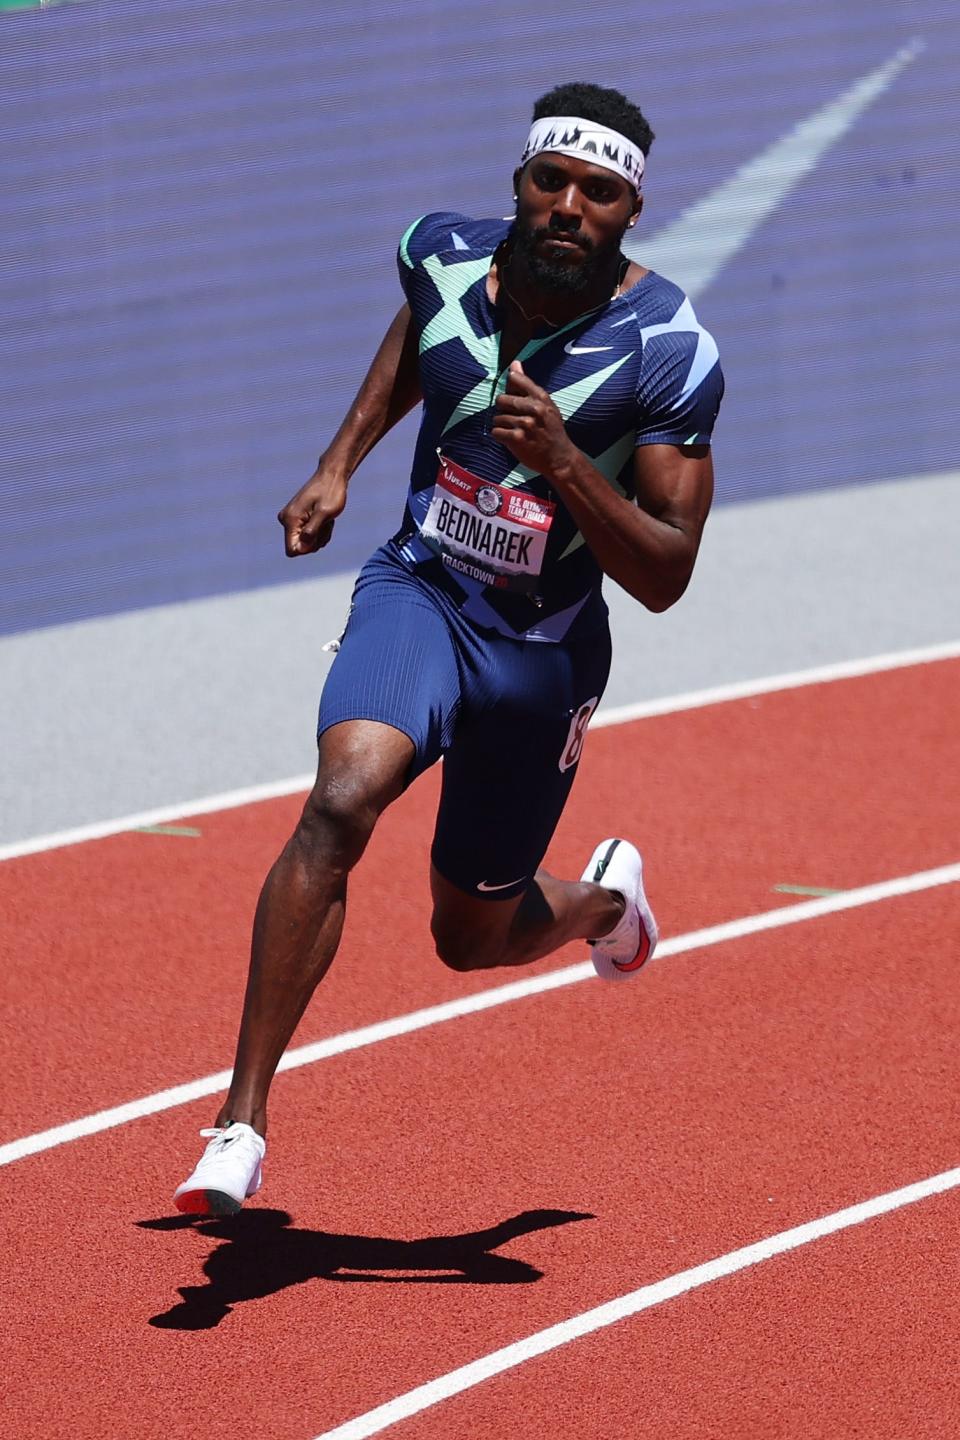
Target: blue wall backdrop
(201,203)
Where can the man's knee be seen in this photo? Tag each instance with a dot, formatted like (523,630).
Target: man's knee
(362,768)
(337,820)
(463,949)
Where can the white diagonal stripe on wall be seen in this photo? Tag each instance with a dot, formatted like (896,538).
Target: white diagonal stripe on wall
(694,248)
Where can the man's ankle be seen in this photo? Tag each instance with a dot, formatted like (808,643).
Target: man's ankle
(237,1115)
(619,906)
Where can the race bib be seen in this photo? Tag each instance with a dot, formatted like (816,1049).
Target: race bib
(485,531)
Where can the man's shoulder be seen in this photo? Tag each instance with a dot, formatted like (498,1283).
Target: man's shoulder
(657,302)
(662,316)
(449,234)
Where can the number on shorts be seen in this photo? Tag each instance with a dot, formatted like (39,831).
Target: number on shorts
(577,734)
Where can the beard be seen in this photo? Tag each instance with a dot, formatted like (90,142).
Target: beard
(561,274)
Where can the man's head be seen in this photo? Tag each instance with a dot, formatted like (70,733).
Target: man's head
(578,186)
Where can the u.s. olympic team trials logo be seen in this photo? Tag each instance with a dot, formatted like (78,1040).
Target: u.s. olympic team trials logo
(489,500)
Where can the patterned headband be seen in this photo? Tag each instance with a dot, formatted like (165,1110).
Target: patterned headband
(586,140)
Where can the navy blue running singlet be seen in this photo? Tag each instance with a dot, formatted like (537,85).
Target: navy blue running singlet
(487,531)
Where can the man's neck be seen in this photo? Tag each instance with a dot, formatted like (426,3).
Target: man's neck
(518,290)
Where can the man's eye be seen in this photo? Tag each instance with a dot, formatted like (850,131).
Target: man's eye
(549,179)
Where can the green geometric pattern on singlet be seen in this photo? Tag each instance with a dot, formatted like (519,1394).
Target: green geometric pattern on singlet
(450,321)
(637,370)
(453,281)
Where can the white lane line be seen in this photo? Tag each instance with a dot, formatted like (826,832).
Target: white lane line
(100,829)
(615,715)
(472,1005)
(464,1378)
(792,680)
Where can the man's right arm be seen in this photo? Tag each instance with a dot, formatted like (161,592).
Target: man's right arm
(390,391)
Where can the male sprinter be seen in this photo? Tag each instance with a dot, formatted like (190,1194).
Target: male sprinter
(568,400)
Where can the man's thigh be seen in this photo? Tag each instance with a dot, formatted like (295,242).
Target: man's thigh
(507,775)
(396,665)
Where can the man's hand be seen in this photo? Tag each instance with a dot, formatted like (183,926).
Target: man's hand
(529,424)
(308,518)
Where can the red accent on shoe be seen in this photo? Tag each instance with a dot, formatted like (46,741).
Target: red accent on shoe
(641,956)
(193,1202)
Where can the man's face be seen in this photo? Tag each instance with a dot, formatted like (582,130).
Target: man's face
(571,216)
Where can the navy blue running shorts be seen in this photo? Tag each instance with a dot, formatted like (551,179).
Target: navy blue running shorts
(507,716)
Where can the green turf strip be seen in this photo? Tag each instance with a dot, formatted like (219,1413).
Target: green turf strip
(167,830)
(805,890)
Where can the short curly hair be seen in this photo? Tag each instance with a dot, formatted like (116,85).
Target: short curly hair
(594,102)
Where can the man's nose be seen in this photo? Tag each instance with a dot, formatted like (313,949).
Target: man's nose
(566,207)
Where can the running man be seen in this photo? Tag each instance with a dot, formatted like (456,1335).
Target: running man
(568,401)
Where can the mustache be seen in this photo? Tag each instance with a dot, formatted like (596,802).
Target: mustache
(561,232)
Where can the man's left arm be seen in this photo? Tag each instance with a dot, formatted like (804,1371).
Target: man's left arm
(649,547)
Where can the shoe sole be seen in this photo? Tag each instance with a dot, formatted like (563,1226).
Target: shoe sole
(206,1202)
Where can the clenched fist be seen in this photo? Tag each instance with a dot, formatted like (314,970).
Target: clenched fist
(308,518)
(529,424)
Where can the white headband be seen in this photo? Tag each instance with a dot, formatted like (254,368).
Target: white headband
(586,140)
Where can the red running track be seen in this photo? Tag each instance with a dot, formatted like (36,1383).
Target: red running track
(727,1095)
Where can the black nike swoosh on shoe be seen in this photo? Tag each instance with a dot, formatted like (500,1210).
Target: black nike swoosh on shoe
(604,861)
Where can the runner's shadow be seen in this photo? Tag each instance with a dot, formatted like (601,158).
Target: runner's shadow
(263,1253)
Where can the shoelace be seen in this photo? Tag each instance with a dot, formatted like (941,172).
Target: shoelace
(219,1132)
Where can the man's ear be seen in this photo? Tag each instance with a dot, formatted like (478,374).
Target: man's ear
(517,174)
(635,214)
